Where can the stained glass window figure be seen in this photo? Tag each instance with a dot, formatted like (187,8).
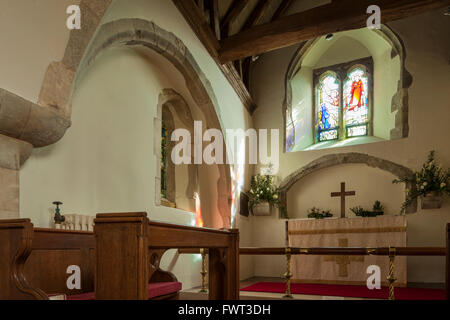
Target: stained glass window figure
(356,99)
(342,100)
(328,111)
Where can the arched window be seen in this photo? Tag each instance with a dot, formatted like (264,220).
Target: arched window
(168,183)
(369,66)
(164,162)
(343,100)
(356,102)
(328,107)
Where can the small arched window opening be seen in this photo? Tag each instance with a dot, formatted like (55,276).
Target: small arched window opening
(166,166)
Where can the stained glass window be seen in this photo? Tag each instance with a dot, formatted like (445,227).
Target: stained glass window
(328,107)
(356,100)
(342,107)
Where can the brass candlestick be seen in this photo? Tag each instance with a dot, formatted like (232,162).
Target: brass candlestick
(288,274)
(204,271)
(391,278)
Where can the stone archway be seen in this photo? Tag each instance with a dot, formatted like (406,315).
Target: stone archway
(26,124)
(139,32)
(346,158)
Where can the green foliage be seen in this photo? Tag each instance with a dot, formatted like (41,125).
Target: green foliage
(378,207)
(262,189)
(164,147)
(378,210)
(431,178)
(317,213)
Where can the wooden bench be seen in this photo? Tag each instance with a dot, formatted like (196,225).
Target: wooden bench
(34,264)
(129,248)
(34,261)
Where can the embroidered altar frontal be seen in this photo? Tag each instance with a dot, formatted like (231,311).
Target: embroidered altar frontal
(381,231)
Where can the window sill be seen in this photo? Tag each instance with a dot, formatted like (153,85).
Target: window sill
(167,203)
(344,143)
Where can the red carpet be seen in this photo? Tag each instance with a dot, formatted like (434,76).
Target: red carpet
(348,291)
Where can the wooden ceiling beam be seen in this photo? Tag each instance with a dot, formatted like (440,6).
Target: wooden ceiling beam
(257,14)
(215,17)
(233,12)
(284,5)
(199,24)
(197,20)
(338,16)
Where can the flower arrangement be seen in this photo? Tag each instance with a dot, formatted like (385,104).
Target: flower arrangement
(262,189)
(317,213)
(431,179)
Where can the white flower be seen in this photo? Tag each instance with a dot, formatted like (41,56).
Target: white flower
(425,184)
(443,185)
(251,191)
(422,187)
(275,197)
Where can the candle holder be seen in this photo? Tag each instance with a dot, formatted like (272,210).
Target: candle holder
(58,217)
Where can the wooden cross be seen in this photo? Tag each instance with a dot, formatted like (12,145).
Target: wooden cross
(343,261)
(343,194)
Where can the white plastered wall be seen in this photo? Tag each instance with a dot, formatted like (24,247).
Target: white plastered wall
(105,161)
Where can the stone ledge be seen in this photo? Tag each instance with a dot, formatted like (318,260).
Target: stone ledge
(27,121)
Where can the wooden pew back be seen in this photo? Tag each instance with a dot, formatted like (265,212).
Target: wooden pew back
(34,261)
(130,248)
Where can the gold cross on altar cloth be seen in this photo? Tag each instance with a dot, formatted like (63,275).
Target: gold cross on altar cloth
(343,194)
(343,261)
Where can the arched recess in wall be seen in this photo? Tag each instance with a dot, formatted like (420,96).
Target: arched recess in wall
(347,158)
(87,43)
(390,87)
(172,107)
(138,32)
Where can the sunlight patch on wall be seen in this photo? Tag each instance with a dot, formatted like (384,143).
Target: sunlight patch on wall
(237,184)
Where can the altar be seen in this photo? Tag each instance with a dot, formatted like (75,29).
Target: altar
(380,231)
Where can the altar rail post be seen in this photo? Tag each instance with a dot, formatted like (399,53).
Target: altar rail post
(390,252)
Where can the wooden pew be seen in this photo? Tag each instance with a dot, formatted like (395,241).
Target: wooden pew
(34,261)
(130,247)
(34,264)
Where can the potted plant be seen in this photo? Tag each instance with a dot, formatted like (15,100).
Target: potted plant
(378,208)
(263,195)
(431,183)
(316,213)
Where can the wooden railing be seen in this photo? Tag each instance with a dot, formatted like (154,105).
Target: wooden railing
(391,252)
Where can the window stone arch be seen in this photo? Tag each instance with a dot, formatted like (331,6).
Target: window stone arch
(398,106)
(170,104)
